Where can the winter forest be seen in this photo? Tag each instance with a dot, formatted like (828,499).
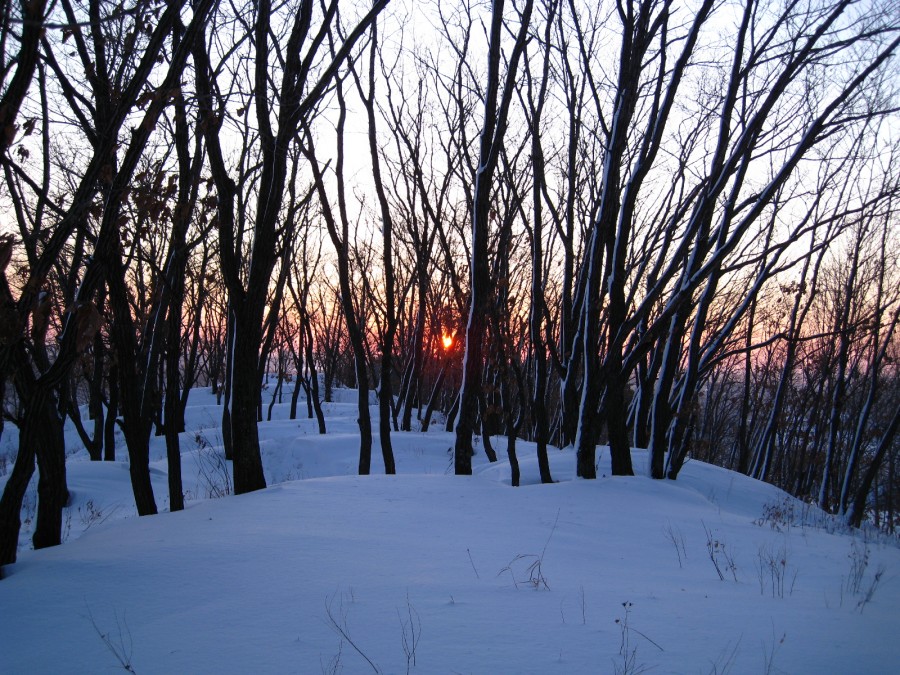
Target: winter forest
(630,267)
(551,223)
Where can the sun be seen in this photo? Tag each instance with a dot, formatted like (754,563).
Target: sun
(448,341)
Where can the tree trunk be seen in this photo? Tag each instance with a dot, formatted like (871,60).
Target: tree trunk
(435,394)
(314,380)
(857,510)
(112,414)
(245,392)
(451,415)
(412,382)
(14,493)
(53,495)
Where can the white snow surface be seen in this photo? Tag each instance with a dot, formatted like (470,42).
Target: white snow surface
(266,582)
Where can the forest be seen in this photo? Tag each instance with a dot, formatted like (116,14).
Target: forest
(632,223)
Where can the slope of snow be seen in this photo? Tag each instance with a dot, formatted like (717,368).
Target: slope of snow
(612,575)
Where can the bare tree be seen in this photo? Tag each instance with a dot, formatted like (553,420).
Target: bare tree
(339,231)
(41,427)
(496,111)
(304,78)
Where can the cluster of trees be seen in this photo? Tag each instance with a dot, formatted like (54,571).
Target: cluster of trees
(642,223)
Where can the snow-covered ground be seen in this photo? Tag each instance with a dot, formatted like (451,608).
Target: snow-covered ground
(425,572)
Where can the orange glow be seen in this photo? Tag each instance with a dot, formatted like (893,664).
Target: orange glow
(448,341)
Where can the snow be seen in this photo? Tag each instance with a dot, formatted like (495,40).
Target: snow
(266,582)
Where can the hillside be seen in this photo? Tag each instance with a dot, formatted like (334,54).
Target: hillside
(425,572)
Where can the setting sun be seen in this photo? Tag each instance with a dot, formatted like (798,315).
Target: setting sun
(448,341)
